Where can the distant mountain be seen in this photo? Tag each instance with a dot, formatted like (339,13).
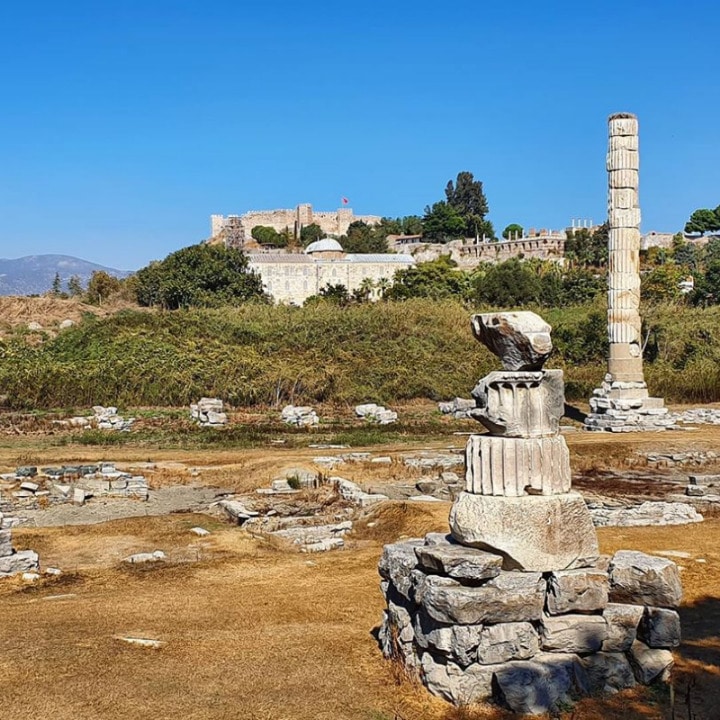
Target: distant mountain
(34,274)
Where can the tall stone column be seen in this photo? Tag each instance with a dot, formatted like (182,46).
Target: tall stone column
(624,324)
(622,403)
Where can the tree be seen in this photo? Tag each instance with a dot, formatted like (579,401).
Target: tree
(266,235)
(337,294)
(56,285)
(466,196)
(101,286)
(513,231)
(442,222)
(662,284)
(362,238)
(310,233)
(435,279)
(199,275)
(584,248)
(74,286)
(509,284)
(703,221)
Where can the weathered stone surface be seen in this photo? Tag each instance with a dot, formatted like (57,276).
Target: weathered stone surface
(21,561)
(526,404)
(507,641)
(459,562)
(515,467)
(608,672)
(237,511)
(659,628)
(573,633)
(397,562)
(5,542)
(540,685)
(460,642)
(540,533)
(647,513)
(461,686)
(577,591)
(649,664)
(622,623)
(520,339)
(641,579)
(509,597)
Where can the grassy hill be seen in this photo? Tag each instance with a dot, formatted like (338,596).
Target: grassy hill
(384,352)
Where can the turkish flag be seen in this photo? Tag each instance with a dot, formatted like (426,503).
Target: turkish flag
(345,201)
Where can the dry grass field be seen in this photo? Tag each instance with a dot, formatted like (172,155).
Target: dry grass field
(253,630)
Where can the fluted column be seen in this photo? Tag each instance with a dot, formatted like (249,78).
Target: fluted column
(624,325)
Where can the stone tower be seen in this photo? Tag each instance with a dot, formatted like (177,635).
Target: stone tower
(623,404)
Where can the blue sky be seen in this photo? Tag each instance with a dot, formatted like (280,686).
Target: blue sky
(125,125)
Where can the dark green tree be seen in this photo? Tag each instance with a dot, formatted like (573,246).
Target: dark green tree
(508,285)
(199,275)
(442,223)
(466,196)
(362,238)
(56,286)
(703,221)
(586,248)
(266,235)
(310,233)
(435,279)
(512,231)
(74,286)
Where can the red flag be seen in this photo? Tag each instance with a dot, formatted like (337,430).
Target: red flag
(345,201)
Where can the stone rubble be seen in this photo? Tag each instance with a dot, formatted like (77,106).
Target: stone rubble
(459,408)
(301,416)
(103,418)
(376,414)
(647,513)
(13,562)
(208,412)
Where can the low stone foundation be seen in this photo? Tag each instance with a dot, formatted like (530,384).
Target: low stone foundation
(13,561)
(530,641)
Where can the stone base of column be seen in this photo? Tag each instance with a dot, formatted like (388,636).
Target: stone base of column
(626,407)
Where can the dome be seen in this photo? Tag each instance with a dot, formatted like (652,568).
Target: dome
(324,245)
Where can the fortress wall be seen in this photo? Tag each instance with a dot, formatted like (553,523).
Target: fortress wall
(542,248)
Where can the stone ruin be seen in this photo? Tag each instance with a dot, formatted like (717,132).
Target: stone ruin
(516,604)
(13,561)
(208,412)
(622,403)
(373,413)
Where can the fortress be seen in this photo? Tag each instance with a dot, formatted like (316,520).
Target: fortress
(235,230)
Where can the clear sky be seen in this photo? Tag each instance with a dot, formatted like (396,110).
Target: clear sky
(125,124)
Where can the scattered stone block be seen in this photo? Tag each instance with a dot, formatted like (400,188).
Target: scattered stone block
(140,558)
(540,533)
(237,511)
(200,532)
(659,628)
(509,597)
(649,664)
(79,496)
(641,579)
(573,633)
(542,685)
(577,591)
(18,562)
(608,672)
(459,562)
(622,623)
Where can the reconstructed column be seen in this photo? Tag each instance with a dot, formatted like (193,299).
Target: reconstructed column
(624,325)
(622,403)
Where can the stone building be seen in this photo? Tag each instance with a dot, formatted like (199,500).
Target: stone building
(294,277)
(236,229)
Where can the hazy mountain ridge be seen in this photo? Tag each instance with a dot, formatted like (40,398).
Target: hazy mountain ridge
(34,274)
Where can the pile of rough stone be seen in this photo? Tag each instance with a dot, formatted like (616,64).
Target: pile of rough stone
(699,416)
(376,414)
(530,640)
(76,483)
(103,418)
(671,459)
(647,513)
(517,604)
(459,408)
(13,561)
(301,416)
(208,412)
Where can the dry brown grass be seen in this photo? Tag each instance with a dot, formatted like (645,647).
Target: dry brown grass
(252,631)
